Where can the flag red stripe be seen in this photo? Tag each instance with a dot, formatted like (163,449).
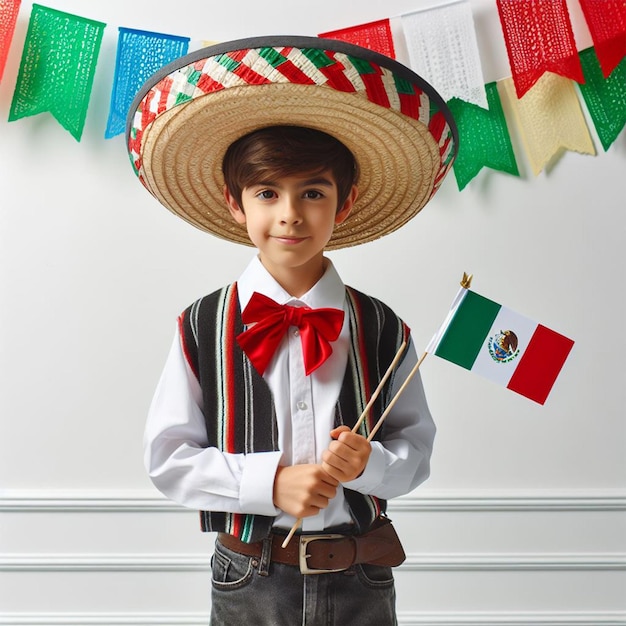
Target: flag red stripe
(540,364)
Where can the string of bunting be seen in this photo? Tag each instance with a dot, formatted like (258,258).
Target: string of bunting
(548,73)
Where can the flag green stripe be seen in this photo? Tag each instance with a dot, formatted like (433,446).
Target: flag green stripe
(462,340)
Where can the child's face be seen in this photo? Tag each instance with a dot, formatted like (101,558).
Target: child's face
(290,220)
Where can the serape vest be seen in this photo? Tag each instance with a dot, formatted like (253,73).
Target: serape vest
(238,407)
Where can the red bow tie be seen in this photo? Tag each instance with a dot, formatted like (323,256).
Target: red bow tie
(318,327)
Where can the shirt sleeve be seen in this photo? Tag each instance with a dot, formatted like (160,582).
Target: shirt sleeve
(401,460)
(180,462)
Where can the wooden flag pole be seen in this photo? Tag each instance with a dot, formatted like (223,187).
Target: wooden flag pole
(378,389)
(364,414)
(397,396)
(466,281)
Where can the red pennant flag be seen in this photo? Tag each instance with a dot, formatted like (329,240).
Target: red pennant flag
(607,25)
(373,35)
(8,17)
(539,38)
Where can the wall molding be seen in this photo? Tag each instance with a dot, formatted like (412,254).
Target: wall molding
(149,501)
(601,618)
(494,501)
(521,618)
(579,562)
(127,562)
(104,619)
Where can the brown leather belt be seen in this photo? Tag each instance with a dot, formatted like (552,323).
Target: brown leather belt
(325,553)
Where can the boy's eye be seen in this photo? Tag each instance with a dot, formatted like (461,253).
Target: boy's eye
(313,194)
(266,194)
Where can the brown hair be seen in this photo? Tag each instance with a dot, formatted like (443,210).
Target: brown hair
(278,151)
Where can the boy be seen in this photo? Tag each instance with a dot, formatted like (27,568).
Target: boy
(252,419)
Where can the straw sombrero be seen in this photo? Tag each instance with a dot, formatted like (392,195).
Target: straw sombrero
(399,129)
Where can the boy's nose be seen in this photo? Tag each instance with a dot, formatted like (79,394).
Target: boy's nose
(290,212)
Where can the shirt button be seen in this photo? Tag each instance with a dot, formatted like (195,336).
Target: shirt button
(302,405)
(296,332)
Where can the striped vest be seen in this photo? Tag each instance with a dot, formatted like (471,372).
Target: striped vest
(238,407)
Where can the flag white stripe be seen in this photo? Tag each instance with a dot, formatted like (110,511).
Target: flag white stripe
(500,366)
(456,303)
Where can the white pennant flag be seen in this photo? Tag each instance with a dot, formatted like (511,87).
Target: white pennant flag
(442,47)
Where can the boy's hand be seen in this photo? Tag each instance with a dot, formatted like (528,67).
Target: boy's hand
(347,455)
(302,490)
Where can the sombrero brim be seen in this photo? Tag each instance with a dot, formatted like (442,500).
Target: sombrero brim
(396,125)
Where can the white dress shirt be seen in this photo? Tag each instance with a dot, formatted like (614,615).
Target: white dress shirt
(186,470)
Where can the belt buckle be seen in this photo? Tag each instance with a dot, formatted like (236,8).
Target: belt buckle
(305,540)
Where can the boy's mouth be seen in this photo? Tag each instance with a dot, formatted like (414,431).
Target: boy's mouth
(288,240)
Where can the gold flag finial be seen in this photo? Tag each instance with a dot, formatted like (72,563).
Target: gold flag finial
(466,281)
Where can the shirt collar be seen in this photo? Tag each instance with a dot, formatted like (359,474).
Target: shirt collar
(329,291)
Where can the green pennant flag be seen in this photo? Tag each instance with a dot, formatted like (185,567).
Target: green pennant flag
(483,138)
(57,68)
(605,97)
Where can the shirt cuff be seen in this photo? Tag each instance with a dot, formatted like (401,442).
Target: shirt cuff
(373,473)
(256,491)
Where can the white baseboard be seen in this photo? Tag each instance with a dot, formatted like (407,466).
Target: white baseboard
(150,501)
(512,619)
(487,562)
(104,619)
(404,619)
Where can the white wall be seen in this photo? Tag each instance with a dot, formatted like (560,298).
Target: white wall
(523,520)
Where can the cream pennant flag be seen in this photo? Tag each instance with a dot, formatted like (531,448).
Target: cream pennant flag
(549,119)
(442,47)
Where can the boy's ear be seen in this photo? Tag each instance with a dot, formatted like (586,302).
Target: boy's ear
(344,211)
(233,207)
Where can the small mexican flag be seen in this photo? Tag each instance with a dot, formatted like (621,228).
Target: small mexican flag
(497,343)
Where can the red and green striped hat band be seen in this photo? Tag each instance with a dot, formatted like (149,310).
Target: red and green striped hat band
(397,126)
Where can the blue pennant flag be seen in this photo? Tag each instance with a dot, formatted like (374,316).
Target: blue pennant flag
(139,55)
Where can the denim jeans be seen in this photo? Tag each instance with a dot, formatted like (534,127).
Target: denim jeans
(252,591)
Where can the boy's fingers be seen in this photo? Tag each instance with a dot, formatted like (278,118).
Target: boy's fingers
(327,479)
(327,490)
(349,444)
(333,460)
(335,432)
